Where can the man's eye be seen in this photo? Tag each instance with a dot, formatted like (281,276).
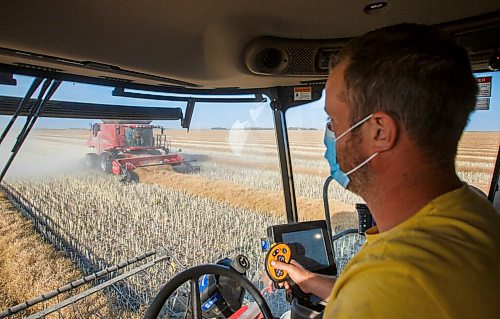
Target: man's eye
(330,122)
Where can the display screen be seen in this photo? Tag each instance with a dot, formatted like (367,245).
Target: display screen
(308,248)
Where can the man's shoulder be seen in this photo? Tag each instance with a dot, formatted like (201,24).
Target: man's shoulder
(460,224)
(465,204)
(381,292)
(456,241)
(455,237)
(388,289)
(418,283)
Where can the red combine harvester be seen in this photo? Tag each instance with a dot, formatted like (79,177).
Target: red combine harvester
(122,146)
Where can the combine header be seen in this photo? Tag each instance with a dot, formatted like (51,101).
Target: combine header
(121,146)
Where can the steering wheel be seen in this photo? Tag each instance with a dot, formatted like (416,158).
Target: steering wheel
(192,275)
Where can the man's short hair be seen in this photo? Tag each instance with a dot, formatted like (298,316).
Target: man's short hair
(419,76)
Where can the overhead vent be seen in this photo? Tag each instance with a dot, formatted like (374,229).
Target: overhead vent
(271,60)
(314,82)
(291,57)
(296,57)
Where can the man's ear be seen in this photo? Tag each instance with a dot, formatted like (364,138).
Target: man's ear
(384,132)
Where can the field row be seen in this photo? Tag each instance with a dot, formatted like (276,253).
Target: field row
(303,152)
(309,175)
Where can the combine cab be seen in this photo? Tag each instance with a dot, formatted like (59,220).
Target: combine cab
(122,146)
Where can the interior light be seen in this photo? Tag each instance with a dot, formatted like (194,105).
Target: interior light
(375,7)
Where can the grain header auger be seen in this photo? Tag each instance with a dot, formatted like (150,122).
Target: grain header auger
(122,146)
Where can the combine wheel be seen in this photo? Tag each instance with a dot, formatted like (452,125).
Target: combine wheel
(91,160)
(105,163)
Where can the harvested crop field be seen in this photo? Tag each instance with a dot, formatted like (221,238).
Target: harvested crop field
(222,210)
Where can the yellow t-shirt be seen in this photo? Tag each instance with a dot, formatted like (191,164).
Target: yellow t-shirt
(443,262)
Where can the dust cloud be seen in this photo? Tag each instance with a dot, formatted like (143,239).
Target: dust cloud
(45,153)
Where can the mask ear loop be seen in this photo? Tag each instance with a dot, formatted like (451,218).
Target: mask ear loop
(362,163)
(354,126)
(369,158)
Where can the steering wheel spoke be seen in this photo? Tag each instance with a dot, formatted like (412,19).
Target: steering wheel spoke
(195,298)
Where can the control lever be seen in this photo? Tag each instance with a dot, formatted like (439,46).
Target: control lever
(240,264)
(283,253)
(278,252)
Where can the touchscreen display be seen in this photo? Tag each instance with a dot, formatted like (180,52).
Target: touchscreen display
(308,248)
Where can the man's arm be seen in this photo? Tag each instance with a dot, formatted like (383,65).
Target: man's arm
(309,282)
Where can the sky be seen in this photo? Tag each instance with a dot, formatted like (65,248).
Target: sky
(226,115)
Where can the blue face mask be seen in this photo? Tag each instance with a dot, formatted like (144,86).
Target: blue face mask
(331,154)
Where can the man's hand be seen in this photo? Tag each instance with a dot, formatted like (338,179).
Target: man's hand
(309,282)
(297,273)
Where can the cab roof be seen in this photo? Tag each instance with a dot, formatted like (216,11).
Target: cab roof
(216,45)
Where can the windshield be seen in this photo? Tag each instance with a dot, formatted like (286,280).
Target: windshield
(138,137)
(204,195)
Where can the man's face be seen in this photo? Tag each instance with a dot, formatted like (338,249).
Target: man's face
(337,110)
(349,146)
